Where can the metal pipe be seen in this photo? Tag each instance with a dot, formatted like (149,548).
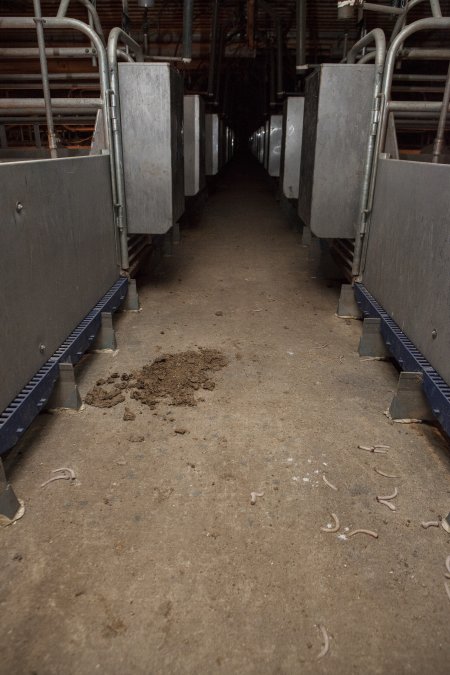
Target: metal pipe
(213,53)
(39,108)
(54,103)
(219,64)
(188,10)
(377,36)
(279,32)
(400,23)
(64,6)
(439,142)
(301,10)
(33,77)
(52,144)
(422,24)
(382,9)
(50,52)
(413,106)
(116,35)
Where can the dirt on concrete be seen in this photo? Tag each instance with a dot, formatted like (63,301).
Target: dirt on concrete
(175,377)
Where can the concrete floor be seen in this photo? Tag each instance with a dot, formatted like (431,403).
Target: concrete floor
(156,562)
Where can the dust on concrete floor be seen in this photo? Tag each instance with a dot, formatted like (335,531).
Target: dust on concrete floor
(156,562)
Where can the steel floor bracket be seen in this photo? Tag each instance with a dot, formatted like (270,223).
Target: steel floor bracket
(306,236)
(409,402)
(18,416)
(176,234)
(347,306)
(371,343)
(65,392)
(106,336)
(9,504)
(436,390)
(131,303)
(168,244)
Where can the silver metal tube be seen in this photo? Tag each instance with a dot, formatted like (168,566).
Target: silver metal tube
(45,84)
(39,109)
(188,9)
(377,36)
(439,142)
(413,106)
(64,6)
(50,52)
(301,10)
(400,23)
(214,46)
(62,10)
(53,77)
(54,103)
(279,33)
(418,54)
(422,24)
(382,9)
(116,35)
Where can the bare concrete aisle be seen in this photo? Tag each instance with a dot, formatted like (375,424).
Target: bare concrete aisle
(156,562)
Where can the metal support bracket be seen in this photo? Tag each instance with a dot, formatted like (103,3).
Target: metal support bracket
(106,336)
(409,402)
(306,236)
(65,393)
(347,306)
(9,504)
(176,235)
(371,343)
(131,303)
(168,245)
(409,358)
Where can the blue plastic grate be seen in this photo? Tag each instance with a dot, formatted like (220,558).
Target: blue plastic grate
(17,417)
(408,357)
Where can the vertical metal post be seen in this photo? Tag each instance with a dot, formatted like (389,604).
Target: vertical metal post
(301,33)
(37,136)
(213,52)
(3,139)
(63,7)
(188,10)
(45,84)
(439,141)
(279,32)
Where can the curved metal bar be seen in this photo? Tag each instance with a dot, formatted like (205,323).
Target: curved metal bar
(400,23)
(64,6)
(376,35)
(435,23)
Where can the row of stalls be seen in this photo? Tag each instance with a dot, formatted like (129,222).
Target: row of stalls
(379,204)
(78,219)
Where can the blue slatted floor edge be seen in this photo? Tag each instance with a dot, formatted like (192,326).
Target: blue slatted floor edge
(408,357)
(18,416)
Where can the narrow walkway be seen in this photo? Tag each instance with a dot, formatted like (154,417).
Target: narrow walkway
(156,562)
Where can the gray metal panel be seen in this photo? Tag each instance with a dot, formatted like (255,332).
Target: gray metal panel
(409,251)
(194,145)
(151,100)
(212,163)
(57,258)
(275,138)
(291,150)
(339,100)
